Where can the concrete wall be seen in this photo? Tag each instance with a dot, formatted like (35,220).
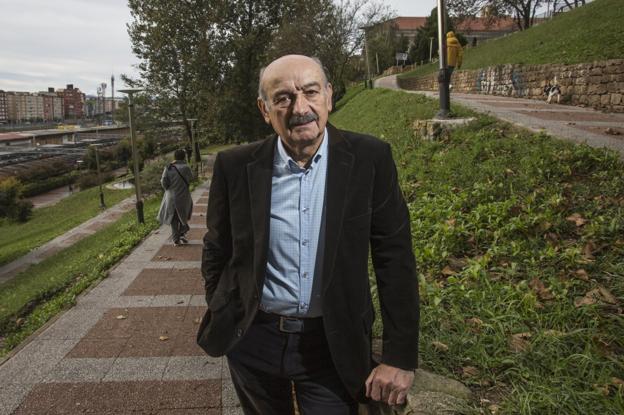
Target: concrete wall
(597,84)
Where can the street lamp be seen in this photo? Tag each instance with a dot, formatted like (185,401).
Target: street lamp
(99,174)
(135,156)
(443,81)
(195,148)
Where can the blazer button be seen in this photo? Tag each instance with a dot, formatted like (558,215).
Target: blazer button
(239,332)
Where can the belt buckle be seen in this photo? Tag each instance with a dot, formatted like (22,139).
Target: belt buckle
(290,324)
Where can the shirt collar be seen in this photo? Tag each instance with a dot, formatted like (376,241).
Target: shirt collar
(283,159)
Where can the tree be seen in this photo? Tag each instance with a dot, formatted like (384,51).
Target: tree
(523,11)
(420,50)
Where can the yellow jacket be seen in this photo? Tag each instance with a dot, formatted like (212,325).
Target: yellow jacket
(454,51)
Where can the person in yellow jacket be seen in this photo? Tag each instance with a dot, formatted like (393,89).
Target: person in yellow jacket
(454,54)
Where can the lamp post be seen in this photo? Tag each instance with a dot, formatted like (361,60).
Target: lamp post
(135,156)
(443,81)
(431,49)
(99,174)
(196,158)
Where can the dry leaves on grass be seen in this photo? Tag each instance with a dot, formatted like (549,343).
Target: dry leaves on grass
(519,342)
(121,317)
(448,271)
(577,219)
(599,294)
(581,274)
(540,289)
(163,338)
(469,371)
(439,346)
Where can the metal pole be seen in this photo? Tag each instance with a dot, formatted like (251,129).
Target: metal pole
(99,176)
(443,81)
(368,75)
(135,155)
(112,99)
(431,49)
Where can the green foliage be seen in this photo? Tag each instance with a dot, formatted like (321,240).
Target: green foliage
(512,231)
(419,52)
(589,33)
(36,295)
(17,239)
(11,204)
(46,184)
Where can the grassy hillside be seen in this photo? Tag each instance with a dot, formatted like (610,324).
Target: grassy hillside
(518,240)
(589,33)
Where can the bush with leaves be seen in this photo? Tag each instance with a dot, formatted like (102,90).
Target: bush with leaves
(11,205)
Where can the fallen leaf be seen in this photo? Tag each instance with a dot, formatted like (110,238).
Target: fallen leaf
(439,346)
(581,301)
(451,222)
(607,297)
(469,371)
(540,289)
(588,251)
(518,342)
(617,381)
(553,333)
(121,317)
(163,338)
(197,320)
(493,408)
(581,274)
(603,389)
(474,321)
(577,219)
(448,271)
(457,263)
(19,322)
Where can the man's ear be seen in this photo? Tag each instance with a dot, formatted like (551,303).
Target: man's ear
(330,92)
(264,110)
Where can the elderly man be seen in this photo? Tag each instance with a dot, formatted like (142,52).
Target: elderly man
(285,260)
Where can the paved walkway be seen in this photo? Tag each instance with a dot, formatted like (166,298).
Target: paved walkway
(578,124)
(128,346)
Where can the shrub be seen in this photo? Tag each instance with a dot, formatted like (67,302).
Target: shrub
(11,205)
(91,179)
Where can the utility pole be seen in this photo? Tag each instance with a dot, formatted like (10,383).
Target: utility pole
(443,81)
(368,74)
(135,156)
(112,99)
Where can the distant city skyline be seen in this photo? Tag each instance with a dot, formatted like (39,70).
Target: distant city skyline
(81,42)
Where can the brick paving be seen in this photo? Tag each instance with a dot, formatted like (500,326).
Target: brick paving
(128,346)
(578,124)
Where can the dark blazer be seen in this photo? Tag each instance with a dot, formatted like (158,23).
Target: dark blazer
(365,208)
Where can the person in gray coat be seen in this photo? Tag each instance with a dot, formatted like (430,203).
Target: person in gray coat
(177,205)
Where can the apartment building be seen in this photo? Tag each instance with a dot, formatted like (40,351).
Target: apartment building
(53,108)
(4,110)
(73,102)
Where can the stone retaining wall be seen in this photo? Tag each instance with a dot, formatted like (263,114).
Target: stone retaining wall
(598,84)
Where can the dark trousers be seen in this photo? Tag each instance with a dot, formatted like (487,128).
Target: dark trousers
(177,228)
(267,362)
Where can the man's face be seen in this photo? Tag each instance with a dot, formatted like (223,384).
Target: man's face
(297,100)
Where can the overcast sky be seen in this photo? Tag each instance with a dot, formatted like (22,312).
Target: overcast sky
(51,43)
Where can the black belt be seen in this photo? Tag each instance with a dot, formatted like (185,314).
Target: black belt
(287,324)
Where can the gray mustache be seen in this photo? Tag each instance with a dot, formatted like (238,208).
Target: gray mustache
(296,120)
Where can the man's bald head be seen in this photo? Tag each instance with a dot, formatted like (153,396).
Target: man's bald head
(288,61)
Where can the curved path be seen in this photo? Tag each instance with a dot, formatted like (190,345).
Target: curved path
(578,124)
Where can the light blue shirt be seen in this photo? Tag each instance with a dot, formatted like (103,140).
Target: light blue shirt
(292,286)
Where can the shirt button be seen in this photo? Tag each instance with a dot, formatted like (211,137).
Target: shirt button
(239,332)
(304,242)
(305,275)
(305,210)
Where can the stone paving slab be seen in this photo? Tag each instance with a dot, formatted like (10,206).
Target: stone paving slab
(107,355)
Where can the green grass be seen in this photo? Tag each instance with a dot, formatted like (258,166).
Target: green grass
(39,293)
(589,33)
(490,208)
(17,239)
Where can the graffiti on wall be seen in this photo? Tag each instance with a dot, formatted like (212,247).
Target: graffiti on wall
(500,80)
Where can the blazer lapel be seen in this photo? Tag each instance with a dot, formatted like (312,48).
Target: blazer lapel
(259,174)
(339,167)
